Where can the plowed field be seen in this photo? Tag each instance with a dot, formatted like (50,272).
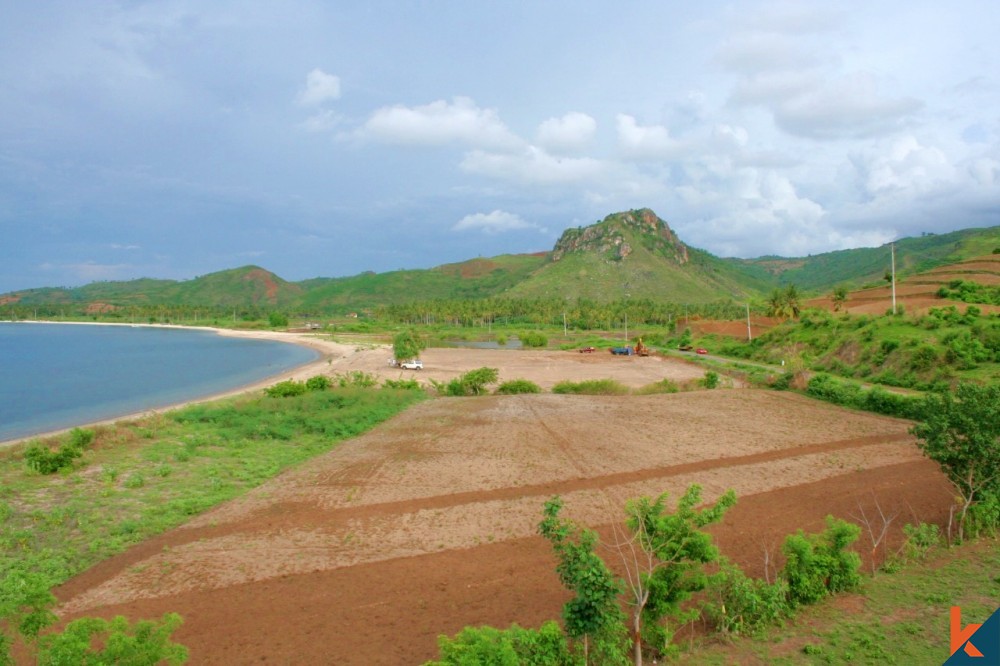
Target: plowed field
(427,524)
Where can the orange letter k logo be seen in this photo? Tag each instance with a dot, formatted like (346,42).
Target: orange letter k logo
(960,635)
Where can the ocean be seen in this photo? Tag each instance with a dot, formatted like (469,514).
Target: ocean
(55,376)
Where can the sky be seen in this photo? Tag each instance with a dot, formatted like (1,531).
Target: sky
(322,139)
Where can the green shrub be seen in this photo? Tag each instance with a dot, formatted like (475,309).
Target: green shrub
(515,646)
(286,389)
(784,382)
(277,320)
(515,386)
(744,605)
(404,384)
(820,564)
(533,339)
(662,386)
(356,378)
(501,340)
(471,383)
(318,383)
(710,380)
(592,387)
(45,461)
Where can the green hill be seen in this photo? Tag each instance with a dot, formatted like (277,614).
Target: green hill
(636,253)
(855,267)
(630,254)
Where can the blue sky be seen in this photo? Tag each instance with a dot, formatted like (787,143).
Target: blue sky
(174,139)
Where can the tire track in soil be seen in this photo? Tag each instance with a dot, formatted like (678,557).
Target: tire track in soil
(305,514)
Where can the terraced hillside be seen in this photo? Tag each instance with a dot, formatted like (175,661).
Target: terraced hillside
(936,287)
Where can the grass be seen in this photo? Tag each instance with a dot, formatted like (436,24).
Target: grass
(141,478)
(898,618)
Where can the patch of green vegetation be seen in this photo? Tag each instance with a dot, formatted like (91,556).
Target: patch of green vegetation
(926,352)
(900,618)
(592,387)
(516,386)
(139,479)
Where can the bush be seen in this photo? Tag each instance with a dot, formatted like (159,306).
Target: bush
(662,386)
(356,378)
(592,387)
(820,564)
(471,383)
(318,383)
(286,389)
(518,386)
(45,461)
(277,320)
(710,380)
(404,384)
(533,339)
(745,605)
(515,646)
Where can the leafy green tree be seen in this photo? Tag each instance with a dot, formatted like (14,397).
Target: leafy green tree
(839,297)
(277,320)
(471,383)
(685,340)
(593,614)
(961,433)
(407,345)
(668,566)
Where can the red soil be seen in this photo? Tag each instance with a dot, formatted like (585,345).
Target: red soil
(427,524)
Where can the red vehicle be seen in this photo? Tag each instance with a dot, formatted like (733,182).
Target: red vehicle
(588,350)
(700,350)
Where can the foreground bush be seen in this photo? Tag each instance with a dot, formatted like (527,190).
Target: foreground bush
(471,383)
(820,564)
(878,400)
(515,646)
(45,461)
(745,606)
(518,386)
(533,339)
(592,387)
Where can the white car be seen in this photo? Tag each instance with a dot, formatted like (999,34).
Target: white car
(415,364)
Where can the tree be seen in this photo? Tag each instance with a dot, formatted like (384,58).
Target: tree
(961,433)
(784,303)
(406,345)
(668,566)
(277,320)
(593,613)
(839,297)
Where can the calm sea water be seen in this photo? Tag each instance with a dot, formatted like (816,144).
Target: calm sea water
(58,376)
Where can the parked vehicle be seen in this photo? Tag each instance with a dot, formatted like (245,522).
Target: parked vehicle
(641,349)
(588,350)
(415,364)
(622,351)
(700,350)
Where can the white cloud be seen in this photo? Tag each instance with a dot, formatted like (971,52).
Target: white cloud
(119,246)
(905,167)
(649,142)
(439,123)
(494,223)
(850,107)
(320,88)
(568,134)
(533,166)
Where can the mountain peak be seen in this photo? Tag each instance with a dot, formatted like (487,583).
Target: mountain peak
(615,237)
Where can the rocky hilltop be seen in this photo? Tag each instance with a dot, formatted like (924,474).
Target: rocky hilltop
(611,238)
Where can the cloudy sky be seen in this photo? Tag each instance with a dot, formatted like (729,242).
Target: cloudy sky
(176,138)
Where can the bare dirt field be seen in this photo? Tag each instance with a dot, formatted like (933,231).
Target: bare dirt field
(544,367)
(428,523)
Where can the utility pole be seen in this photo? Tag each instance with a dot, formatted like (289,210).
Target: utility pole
(892,249)
(564,325)
(749,334)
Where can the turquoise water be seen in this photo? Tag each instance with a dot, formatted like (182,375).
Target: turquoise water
(59,376)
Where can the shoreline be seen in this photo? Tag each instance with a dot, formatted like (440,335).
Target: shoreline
(328,351)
